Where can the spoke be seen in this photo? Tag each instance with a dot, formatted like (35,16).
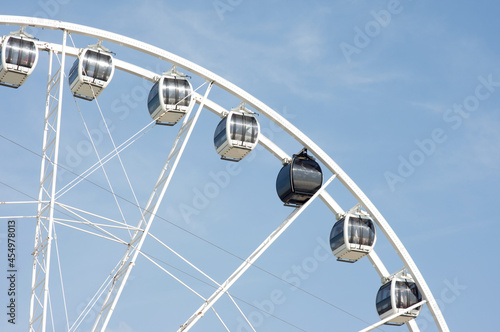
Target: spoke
(241,312)
(173,276)
(113,239)
(120,224)
(185,260)
(93,300)
(60,220)
(250,260)
(413,326)
(118,156)
(101,165)
(89,223)
(106,159)
(220,319)
(61,277)
(23,202)
(128,260)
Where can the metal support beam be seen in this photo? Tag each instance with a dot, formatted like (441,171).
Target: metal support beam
(379,266)
(412,326)
(128,261)
(46,197)
(250,261)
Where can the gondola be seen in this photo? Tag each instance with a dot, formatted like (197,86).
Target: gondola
(19,56)
(170,98)
(236,134)
(91,72)
(299,180)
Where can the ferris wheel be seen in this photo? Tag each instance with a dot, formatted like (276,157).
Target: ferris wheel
(175,102)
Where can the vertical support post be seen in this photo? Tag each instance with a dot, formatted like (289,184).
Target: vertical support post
(128,261)
(46,196)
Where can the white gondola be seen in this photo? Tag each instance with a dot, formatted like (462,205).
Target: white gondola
(299,180)
(19,55)
(395,296)
(353,236)
(237,134)
(170,98)
(91,72)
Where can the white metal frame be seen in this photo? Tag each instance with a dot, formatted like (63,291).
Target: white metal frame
(250,261)
(273,116)
(128,261)
(47,196)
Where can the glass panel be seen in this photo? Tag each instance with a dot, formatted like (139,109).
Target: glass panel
(28,54)
(181,92)
(368,232)
(89,63)
(253,128)
(176,92)
(170,93)
(307,176)
(337,235)
(354,230)
(361,231)
(255,131)
(384,299)
(414,294)
(187,100)
(407,294)
(73,73)
(249,129)
(153,100)
(184,93)
(244,128)
(24,54)
(400,295)
(13,48)
(104,67)
(97,65)
(283,183)
(165,91)
(220,133)
(237,127)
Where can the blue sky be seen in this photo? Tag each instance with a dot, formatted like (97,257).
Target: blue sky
(403,95)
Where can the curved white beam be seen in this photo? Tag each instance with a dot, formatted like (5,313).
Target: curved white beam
(269,113)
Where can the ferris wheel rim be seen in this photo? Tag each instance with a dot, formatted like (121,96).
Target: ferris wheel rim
(266,111)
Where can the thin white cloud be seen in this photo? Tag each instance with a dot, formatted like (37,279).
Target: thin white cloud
(307,42)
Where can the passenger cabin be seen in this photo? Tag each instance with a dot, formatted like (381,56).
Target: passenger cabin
(237,134)
(91,72)
(396,295)
(19,55)
(299,180)
(170,98)
(353,236)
